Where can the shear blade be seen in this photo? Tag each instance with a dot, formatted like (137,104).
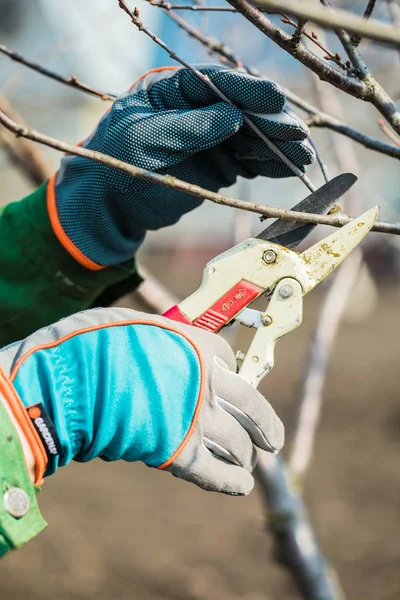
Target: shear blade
(322,258)
(291,233)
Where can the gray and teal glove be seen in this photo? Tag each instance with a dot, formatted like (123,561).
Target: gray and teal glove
(119,384)
(169,122)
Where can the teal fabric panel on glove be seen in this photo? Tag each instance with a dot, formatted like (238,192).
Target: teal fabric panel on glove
(171,122)
(99,389)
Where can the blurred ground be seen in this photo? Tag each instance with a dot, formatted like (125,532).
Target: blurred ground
(120,531)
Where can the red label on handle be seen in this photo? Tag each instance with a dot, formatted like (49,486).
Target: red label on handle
(220,313)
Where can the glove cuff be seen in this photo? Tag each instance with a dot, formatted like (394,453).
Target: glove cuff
(31,444)
(63,238)
(20,518)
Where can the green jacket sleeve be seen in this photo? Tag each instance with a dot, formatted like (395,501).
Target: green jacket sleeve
(39,281)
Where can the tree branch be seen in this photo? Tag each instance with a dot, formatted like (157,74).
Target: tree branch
(134,16)
(324,120)
(364,90)
(327,121)
(335,220)
(72,81)
(381,98)
(324,70)
(295,542)
(338,19)
(318,119)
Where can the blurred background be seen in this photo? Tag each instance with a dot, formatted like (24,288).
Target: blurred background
(120,531)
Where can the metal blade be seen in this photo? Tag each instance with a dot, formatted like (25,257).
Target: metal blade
(322,258)
(291,233)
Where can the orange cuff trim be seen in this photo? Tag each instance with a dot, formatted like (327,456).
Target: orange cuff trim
(197,409)
(156,70)
(21,416)
(14,372)
(64,240)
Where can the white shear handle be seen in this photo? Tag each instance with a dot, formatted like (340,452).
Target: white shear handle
(284,314)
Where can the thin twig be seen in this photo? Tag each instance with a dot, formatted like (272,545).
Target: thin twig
(214,45)
(369,9)
(134,16)
(372,29)
(322,164)
(389,133)
(356,39)
(369,90)
(317,364)
(194,7)
(71,81)
(335,220)
(313,37)
(360,68)
(26,155)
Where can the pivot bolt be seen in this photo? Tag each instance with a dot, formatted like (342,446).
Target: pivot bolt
(16,502)
(266,320)
(269,257)
(286,291)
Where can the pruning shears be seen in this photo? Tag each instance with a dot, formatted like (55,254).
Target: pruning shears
(267,265)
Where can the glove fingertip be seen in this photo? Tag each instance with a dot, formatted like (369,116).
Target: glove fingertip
(276,437)
(241,487)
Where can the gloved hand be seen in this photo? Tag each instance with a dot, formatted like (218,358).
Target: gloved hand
(169,122)
(120,384)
